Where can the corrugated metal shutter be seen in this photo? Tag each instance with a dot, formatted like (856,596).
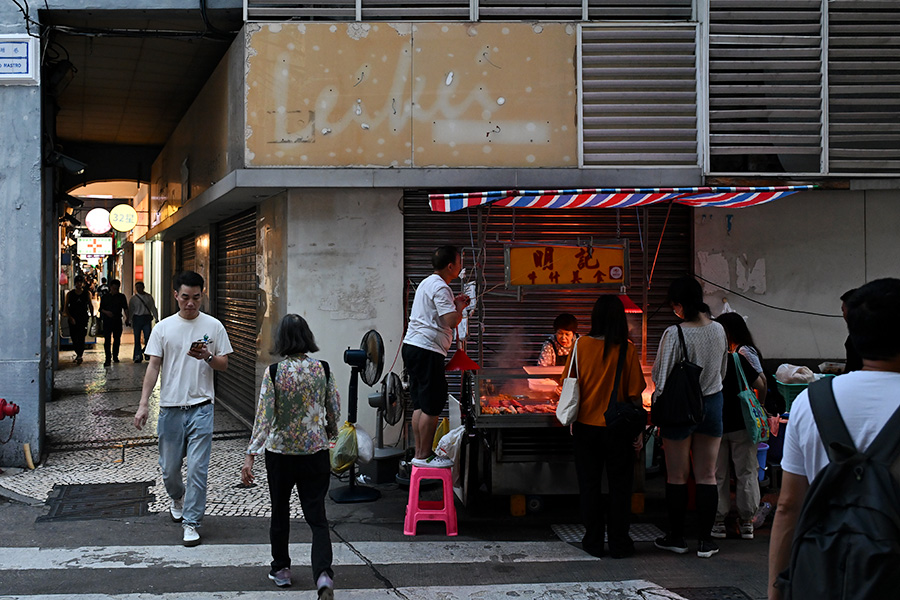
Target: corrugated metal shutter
(864,86)
(237,296)
(639,95)
(514,331)
(765,86)
(186,254)
(463,10)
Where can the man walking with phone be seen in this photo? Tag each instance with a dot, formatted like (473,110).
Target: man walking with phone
(186,348)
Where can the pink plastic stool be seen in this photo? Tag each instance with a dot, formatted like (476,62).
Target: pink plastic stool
(430,510)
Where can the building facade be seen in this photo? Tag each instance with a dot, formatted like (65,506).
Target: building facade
(296,179)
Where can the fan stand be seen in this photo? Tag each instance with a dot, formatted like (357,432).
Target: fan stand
(353,492)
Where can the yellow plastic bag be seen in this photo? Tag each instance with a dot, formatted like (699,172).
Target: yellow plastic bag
(443,429)
(344,451)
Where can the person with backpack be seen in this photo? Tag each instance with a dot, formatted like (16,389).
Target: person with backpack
(296,416)
(836,532)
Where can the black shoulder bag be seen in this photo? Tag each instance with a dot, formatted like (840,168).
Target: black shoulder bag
(624,418)
(680,403)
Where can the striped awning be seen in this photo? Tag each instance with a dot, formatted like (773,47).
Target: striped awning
(714,197)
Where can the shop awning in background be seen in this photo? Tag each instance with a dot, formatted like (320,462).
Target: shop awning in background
(712,197)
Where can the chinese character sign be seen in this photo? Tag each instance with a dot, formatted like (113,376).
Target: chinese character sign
(602,264)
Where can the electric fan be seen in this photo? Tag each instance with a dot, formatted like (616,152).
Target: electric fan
(367,362)
(390,403)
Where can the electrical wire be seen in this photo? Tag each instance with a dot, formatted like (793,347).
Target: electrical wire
(791,310)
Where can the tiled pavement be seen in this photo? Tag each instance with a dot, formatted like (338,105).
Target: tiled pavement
(91,439)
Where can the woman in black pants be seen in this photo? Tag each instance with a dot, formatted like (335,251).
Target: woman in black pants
(597,358)
(296,415)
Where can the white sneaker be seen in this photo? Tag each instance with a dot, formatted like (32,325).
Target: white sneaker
(191,537)
(718,531)
(747,530)
(433,462)
(176,509)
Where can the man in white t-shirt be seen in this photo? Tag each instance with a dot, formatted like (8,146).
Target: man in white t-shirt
(435,312)
(186,347)
(866,400)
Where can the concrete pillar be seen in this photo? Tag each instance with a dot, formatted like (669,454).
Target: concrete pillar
(26,321)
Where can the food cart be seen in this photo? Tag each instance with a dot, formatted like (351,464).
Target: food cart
(515,445)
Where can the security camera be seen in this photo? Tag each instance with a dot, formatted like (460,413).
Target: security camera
(75,167)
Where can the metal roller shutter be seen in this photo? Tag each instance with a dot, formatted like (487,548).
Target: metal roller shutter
(514,330)
(186,254)
(236,307)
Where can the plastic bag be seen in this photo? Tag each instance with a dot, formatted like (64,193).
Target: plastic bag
(449,447)
(344,451)
(793,374)
(365,447)
(442,429)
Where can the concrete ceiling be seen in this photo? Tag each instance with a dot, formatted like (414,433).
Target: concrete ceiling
(136,72)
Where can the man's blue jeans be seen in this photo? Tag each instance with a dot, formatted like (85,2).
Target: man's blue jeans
(186,433)
(140,324)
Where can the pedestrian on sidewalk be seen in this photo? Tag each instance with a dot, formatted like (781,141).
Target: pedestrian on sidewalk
(607,365)
(696,445)
(113,305)
(141,312)
(296,416)
(185,348)
(78,307)
(435,312)
(737,447)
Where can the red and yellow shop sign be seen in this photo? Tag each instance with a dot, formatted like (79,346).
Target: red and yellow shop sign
(602,263)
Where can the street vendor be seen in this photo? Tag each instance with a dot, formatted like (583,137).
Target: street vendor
(555,350)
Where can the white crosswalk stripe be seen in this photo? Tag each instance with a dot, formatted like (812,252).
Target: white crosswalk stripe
(592,590)
(253,555)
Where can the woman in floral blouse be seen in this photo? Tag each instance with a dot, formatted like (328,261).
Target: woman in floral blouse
(295,419)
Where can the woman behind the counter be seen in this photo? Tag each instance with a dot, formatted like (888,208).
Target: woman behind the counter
(556,349)
(596,446)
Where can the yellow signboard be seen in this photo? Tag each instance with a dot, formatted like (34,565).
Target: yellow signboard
(567,265)
(123,217)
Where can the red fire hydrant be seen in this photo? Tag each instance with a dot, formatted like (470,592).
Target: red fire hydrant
(8,409)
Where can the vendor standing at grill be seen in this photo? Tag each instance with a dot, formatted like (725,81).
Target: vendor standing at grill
(556,349)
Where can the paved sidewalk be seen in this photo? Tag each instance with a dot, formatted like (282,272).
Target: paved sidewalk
(91,439)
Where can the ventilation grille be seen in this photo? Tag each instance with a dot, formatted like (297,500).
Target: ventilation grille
(864,86)
(640,96)
(463,10)
(765,86)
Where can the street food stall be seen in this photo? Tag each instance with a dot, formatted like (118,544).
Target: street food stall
(521,268)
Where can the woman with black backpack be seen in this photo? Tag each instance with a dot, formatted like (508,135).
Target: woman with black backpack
(696,444)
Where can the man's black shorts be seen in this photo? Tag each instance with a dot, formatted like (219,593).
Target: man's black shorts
(427,379)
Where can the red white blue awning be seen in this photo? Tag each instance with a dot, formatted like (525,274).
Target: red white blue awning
(712,197)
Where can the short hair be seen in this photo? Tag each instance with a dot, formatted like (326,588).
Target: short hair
(443,256)
(565,321)
(873,319)
(687,292)
(293,336)
(78,279)
(139,283)
(113,282)
(846,295)
(189,279)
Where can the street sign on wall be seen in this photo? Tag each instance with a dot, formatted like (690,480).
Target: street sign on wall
(602,263)
(94,246)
